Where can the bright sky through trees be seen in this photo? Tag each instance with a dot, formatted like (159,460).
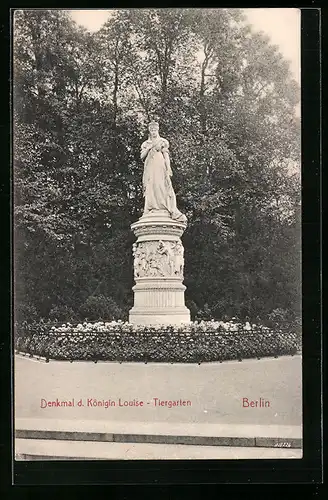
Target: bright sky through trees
(281,25)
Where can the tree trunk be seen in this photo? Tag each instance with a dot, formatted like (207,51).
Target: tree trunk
(115,92)
(116,84)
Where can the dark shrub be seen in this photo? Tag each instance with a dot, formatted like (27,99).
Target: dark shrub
(62,313)
(98,307)
(25,312)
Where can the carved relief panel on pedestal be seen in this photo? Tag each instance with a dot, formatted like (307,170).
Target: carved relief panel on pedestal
(158,259)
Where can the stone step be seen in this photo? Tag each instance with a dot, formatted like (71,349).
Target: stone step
(272,436)
(29,449)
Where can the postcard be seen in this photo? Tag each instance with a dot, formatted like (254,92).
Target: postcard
(157,234)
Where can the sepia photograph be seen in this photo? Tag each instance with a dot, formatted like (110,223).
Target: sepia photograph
(157,234)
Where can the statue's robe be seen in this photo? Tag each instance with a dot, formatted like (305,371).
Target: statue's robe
(157,185)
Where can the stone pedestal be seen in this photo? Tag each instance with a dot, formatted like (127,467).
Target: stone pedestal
(158,271)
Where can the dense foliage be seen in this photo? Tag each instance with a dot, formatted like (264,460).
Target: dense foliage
(226,102)
(192,343)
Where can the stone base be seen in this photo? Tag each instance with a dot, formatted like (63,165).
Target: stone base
(159,301)
(164,316)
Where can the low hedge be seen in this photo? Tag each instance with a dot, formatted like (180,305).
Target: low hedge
(192,343)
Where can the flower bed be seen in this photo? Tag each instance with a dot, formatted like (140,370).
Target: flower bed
(192,343)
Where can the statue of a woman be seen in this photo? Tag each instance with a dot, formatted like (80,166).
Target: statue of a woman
(157,186)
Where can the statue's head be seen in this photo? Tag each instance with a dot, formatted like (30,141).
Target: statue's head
(153,128)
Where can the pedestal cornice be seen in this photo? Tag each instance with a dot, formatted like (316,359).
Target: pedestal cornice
(158,223)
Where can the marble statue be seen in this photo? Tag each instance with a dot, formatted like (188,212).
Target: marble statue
(158,253)
(157,186)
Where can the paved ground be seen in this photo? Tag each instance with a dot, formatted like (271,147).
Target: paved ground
(31,449)
(215,390)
